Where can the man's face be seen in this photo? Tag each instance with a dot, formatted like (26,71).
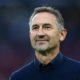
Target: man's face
(44,34)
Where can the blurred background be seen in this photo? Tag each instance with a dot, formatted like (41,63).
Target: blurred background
(15,47)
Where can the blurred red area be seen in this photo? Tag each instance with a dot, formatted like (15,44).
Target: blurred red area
(12,58)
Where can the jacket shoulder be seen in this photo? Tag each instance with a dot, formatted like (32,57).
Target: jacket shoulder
(21,71)
(71,62)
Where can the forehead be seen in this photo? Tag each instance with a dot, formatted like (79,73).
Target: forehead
(43,17)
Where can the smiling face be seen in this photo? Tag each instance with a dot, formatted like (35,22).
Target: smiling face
(44,33)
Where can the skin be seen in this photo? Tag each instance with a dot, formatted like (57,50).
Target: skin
(45,36)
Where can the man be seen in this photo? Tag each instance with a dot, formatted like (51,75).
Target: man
(46,33)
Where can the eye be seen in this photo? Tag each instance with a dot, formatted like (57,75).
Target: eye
(35,27)
(47,26)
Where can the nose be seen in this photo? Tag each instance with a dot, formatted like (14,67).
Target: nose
(40,33)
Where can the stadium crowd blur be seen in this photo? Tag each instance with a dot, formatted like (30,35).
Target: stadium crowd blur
(15,48)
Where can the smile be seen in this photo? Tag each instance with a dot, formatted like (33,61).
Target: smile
(41,41)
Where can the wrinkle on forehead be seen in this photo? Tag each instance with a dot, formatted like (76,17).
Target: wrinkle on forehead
(44,17)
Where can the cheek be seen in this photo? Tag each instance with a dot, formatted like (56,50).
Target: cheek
(32,36)
(55,37)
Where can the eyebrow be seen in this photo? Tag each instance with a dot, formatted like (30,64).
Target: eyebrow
(42,24)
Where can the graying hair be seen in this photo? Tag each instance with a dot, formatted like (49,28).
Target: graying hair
(54,11)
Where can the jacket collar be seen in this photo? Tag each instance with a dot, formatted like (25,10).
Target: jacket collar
(53,64)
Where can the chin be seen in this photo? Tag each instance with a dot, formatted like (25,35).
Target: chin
(39,47)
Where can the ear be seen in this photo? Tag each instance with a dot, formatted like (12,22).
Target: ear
(63,34)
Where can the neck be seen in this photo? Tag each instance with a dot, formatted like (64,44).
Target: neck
(46,57)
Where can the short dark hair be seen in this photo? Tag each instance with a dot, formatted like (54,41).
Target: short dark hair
(54,11)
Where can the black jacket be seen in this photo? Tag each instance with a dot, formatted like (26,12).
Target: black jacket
(61,68)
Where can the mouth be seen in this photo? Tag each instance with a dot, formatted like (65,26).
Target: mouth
(41,41)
